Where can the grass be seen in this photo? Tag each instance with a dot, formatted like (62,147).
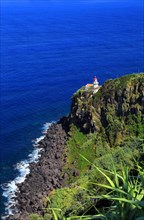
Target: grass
(79,143)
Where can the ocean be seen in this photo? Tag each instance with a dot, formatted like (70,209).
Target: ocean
(49,49)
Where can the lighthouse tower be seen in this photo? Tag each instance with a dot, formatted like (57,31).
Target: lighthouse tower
(95,85)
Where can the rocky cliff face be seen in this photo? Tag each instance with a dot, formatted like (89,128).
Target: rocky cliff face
(116,110)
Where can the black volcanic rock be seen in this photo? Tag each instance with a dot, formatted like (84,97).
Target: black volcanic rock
(44,176)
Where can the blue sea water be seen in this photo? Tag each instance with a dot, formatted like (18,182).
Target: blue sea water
(49,49)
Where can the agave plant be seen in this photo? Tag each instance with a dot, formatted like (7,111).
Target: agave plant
(126,193)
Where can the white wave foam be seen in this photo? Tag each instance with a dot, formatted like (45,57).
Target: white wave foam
(10,189)
(46,127)
(37,140)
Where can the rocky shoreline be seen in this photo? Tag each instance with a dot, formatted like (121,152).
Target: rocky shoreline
(45,175)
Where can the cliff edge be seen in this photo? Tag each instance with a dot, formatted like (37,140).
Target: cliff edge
(117,107)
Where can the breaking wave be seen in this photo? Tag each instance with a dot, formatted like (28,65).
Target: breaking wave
(10,188)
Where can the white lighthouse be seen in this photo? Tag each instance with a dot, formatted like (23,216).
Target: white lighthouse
(95,85)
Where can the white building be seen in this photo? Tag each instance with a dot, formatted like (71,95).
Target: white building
(95,85)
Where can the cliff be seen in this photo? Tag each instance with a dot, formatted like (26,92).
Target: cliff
(102,129)
(117,109)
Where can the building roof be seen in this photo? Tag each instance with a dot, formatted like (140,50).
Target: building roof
(89,85)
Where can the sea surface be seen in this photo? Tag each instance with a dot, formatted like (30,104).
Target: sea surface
(49,49)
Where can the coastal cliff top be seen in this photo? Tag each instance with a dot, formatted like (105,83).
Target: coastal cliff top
(120,98)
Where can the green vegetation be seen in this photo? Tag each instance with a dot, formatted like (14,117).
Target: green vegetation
(105,152)
(124,197)
(77,144)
